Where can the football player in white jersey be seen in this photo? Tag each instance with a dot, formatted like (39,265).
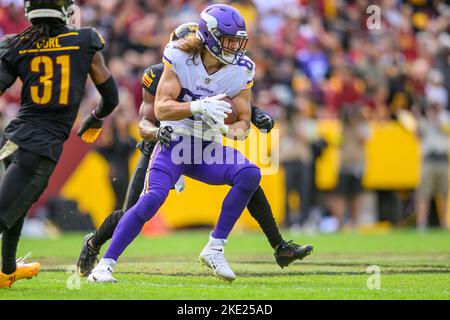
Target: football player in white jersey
(199,72)
(285,252)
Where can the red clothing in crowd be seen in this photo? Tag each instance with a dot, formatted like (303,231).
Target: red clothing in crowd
(340,93)
(12,20)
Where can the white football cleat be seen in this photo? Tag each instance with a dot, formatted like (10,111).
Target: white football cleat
(213,257)
(102,273)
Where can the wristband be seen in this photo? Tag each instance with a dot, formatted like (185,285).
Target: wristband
(95,116)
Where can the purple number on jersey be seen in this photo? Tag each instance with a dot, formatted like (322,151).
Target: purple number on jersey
(246,63)
(186,95)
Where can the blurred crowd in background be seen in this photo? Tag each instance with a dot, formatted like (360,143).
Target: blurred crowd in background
(315,60)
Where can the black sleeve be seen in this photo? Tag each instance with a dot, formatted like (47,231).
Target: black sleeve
(151,77)
(7,73)
(110,98)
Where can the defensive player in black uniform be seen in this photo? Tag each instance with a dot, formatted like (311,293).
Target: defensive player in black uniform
(151,132)
(53,61)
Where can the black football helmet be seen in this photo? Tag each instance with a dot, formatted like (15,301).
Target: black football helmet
(183,30)
(44,9)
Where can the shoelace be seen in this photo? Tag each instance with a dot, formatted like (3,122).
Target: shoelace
(22,260)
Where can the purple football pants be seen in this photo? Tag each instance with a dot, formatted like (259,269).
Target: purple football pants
(206,161)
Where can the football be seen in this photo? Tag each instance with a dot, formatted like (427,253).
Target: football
(233,116)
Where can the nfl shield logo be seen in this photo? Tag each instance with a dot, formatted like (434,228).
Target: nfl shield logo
(207,80)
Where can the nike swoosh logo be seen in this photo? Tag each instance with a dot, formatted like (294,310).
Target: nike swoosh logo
(217,250)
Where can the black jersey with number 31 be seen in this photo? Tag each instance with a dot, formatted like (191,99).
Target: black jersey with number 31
(53,79)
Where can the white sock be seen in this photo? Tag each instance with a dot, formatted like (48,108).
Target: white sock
(216,242)
(109,262)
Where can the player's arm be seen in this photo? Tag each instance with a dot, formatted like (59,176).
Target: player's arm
(240,129)
(147,122)
(101,76)
(106,86)
(167,108)
(7,76)
(147,119)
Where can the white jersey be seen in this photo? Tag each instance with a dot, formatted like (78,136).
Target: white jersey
(197,84)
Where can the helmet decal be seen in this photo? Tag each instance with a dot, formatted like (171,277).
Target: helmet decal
(184,30)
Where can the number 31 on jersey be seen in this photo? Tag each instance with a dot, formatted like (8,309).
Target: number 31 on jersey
(46,81)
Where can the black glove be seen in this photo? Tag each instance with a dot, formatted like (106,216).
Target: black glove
(164,135)
(262,120)
(90,129)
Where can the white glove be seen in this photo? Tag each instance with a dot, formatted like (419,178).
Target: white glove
(180,185)
(213,107)
(220,126)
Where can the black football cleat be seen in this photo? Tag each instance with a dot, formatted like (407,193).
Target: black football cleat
(288,252)
(88,257)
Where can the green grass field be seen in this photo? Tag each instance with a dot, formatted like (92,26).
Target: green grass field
(413,266)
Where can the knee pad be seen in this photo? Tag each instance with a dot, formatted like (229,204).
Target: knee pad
(248,178)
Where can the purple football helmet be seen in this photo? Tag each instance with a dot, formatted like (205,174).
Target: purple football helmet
(222,30)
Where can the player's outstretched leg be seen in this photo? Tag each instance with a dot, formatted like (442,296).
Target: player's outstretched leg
(92,242)
(134,219)
(285,252)
(14,270)
(244,181)
(24,181)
